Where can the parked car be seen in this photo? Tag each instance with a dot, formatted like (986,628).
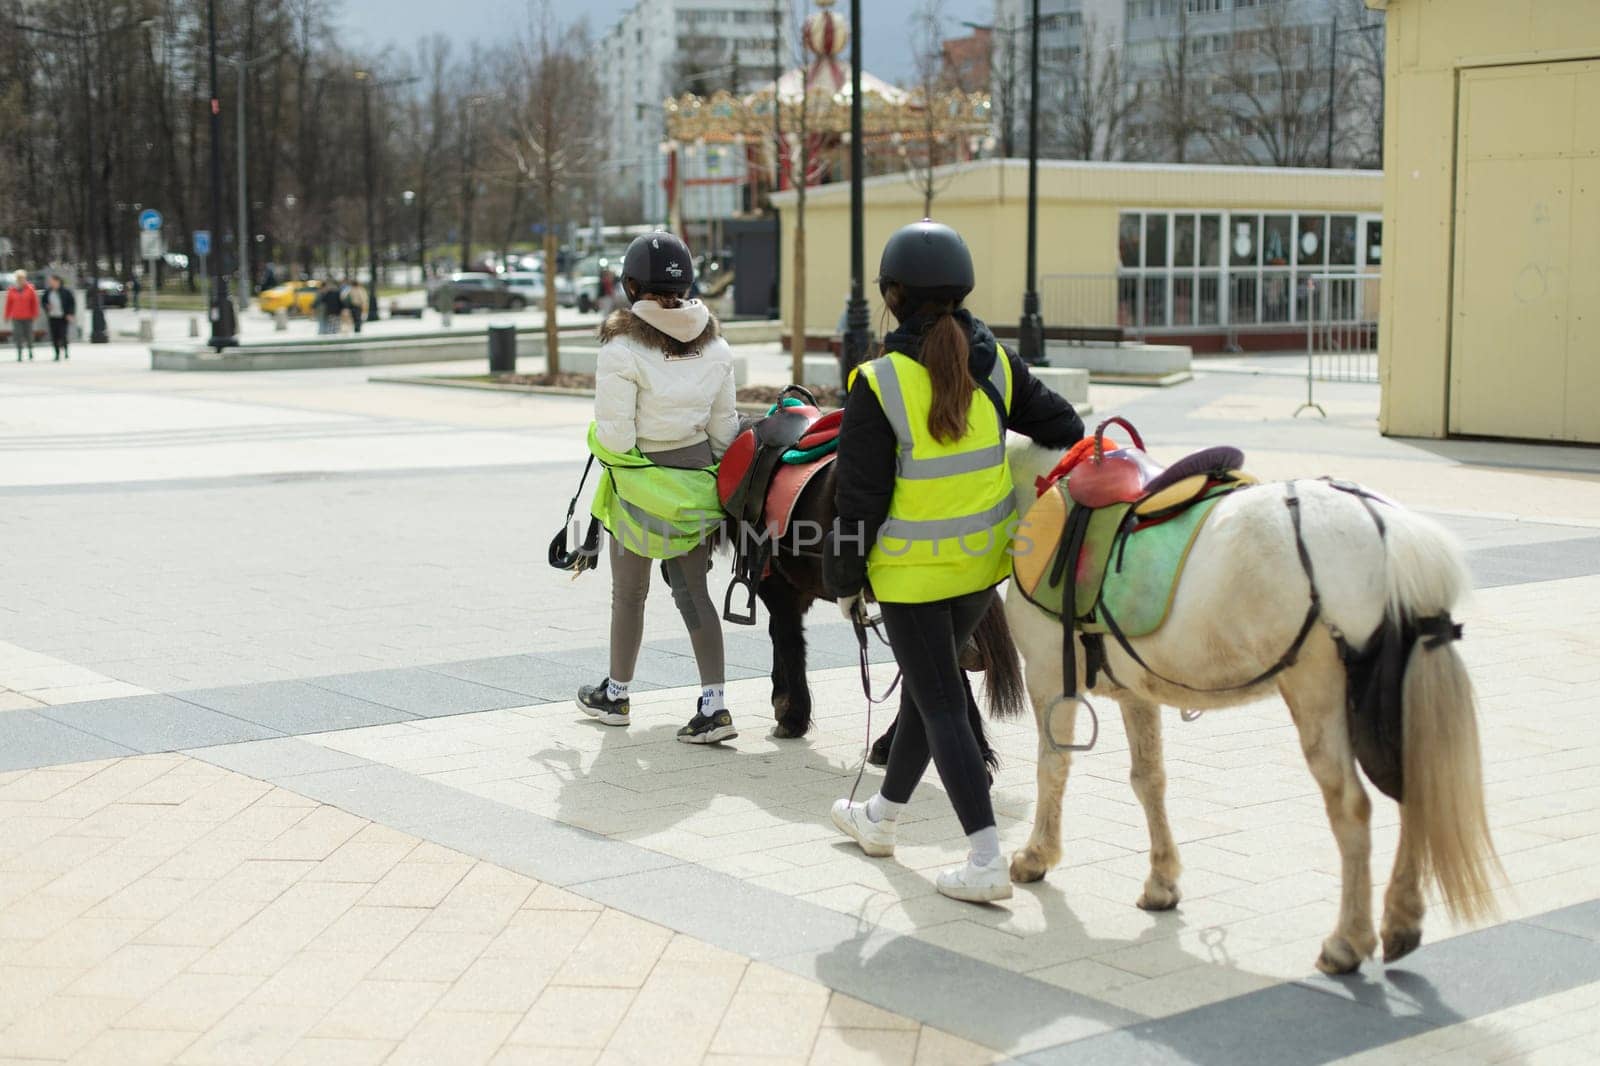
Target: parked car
(529,284)
(113,293)
(464,292)
(596,282)
(296,297)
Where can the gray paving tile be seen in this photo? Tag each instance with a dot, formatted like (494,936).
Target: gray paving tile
(1466,976)
(28,740)
(975,1000)
(540,678)
(294,707)
(421,692)
(1519,564)
(277,759)
(156,723)
(1273,1027)
(1583,919)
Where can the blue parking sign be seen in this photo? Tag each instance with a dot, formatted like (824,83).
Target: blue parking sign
(202,242)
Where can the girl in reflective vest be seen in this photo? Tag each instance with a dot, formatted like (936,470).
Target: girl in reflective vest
(664,414)
(925,525)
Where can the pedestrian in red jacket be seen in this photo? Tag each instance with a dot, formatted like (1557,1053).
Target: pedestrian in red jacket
(22,307)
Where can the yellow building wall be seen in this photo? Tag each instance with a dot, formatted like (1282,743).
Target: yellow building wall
(1079,205)
(1431,46)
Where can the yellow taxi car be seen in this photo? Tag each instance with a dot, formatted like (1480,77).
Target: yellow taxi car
(296,297)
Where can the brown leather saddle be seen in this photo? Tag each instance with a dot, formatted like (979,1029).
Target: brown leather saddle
(761,480)
(1129,475)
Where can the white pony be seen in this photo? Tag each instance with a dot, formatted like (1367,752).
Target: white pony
(1242,598)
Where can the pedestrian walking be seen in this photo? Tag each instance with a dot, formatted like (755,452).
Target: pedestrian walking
(356,299)
(133,283)
(328,308)
(22,307)
(664,414)
(60,307)
(925,526)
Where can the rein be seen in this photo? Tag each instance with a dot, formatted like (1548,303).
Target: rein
(866,687)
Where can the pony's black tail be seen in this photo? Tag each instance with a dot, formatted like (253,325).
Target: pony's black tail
(1002,666)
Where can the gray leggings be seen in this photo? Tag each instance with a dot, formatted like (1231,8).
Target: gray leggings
(686,575)
(22,334)
(630,584)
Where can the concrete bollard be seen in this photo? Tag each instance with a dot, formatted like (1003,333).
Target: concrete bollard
(147,330)
(194,326)
(280,321)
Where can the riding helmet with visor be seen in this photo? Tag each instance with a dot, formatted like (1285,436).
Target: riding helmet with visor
(658,262)
(928,258)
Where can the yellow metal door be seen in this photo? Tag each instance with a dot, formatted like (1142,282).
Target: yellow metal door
(1525,336)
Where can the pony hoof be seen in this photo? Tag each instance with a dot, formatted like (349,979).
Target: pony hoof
(1159,896)
(1399,943)
(785,731)
(1338,957)
(1028,865)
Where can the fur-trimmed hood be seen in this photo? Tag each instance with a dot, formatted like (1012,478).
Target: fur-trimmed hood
(624,323)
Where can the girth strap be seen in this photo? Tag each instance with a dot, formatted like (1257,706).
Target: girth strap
(1287,659)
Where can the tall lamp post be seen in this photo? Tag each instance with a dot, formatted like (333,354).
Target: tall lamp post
(367,85)
(97,314)
(224,327)
(241,237)
(1031,329)
(856,336)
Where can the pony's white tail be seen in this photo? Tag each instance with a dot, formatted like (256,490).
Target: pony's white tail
(1442,812)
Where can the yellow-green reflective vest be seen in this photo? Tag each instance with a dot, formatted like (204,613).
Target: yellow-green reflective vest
(655,511)
(951,517)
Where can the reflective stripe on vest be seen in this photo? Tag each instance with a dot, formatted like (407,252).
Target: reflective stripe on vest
(951,517)
(906,464)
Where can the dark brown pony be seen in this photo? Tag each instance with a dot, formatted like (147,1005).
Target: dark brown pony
(794,582)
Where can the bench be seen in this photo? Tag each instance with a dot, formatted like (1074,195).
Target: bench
(1102,334)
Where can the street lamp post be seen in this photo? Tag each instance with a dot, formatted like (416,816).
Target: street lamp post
(1031,329)
(224,328)
(410,198)
(241,235)
(365,78)
(856,336)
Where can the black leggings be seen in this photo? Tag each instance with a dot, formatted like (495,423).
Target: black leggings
(58,334)
(927,639)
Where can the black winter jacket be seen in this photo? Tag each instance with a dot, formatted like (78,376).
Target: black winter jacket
(865,468)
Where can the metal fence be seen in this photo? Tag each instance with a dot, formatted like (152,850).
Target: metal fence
(1142,304)
(1341,331)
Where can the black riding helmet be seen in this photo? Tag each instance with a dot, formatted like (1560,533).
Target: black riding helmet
(658,262)
(929,258)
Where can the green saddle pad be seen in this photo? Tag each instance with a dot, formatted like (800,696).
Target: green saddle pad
(1145,566)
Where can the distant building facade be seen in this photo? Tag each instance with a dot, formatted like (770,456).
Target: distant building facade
(661,48)
(1211,81)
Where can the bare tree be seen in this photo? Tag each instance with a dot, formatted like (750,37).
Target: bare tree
(551,141)
(1095,104)
(1174,113)
(1361,45)
(928,145)
(1275,96)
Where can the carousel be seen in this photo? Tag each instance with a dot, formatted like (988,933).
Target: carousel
(798,128)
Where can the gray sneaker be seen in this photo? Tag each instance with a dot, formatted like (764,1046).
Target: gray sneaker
(593,701)
(708,729)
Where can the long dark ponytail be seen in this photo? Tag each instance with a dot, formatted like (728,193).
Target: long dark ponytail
(945,354)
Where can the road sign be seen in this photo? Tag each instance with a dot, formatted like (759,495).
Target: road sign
(150,245)
(150,220)
(202,242)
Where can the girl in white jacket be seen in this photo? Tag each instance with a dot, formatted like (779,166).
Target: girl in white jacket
(663,385)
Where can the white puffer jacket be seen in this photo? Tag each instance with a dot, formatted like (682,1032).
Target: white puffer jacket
(657,392)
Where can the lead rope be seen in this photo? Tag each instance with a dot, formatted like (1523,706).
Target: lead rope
(866,690)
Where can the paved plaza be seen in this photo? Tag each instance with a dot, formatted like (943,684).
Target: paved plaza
(290,771)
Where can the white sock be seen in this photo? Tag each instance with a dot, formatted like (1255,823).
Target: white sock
(880,809)
(711,700)
(985,846)
(616,690)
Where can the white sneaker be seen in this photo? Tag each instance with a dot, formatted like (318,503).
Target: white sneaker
(875,838)
(977,884)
